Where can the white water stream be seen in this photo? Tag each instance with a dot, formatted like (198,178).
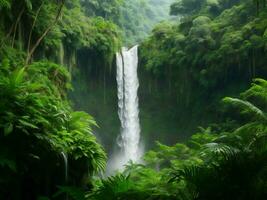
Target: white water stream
(128,109)
(65,159)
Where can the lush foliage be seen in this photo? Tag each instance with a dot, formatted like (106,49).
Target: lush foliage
(209,53)
(138,17)
(216,163)
(56,31)
(37,124)
(49,151)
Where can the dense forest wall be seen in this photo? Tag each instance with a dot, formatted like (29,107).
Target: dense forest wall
(215,50)
(84,37)
(186,65)
(40,42)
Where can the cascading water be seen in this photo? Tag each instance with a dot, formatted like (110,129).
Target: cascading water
(128,109)
(65,159)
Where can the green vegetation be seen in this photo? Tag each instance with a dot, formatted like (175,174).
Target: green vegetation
(138,17)
(209,54)
(219,162)
(47,29)
(37,124)
(197,63)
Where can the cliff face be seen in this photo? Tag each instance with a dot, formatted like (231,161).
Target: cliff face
(161,117)
(95,91)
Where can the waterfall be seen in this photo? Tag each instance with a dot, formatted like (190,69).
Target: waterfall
(128,109)
(65,159)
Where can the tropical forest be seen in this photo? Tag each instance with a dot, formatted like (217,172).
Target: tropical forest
(133,99)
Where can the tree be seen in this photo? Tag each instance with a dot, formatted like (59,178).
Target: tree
(39,40)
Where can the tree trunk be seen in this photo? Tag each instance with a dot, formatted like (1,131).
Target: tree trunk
(16,25)
(20,38)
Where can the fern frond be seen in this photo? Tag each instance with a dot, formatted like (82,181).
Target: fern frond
(190,173)
(259,144)
(218,149)
(258,89)
(249,131)
(247,107)
(230,139)
(248,128)
(5,4)
(73,192)
(112,188)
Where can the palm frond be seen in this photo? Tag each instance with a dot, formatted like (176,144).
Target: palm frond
(219,149)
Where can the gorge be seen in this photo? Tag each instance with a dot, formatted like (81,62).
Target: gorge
(86,115)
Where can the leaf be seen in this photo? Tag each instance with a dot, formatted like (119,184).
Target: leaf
(247,107)
(28,4)
(5,4)
(73,192)
(11,164)
(8,129)
(28,124)
(218,149)
(18,76)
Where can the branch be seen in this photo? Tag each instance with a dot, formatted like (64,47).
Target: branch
(45,33)
(13,27)
(16,25)
(33,25)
